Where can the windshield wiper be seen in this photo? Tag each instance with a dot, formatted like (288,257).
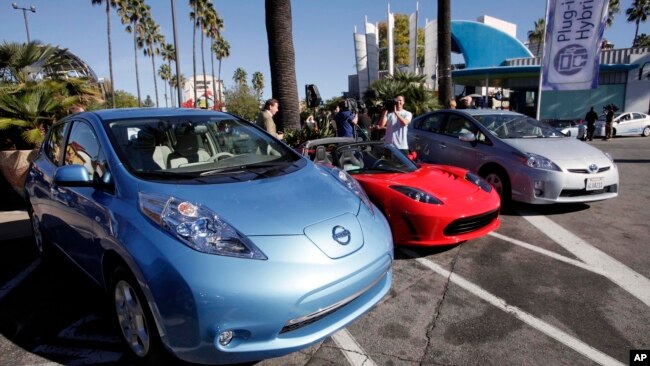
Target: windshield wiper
(245,168)
(159,173)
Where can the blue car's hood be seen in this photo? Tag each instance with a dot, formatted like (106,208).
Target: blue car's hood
(282,205)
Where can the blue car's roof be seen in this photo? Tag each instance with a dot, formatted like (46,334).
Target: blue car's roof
(122,113)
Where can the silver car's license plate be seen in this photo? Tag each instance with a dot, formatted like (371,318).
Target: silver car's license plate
(594,183)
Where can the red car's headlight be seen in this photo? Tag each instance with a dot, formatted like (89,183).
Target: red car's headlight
(417,195)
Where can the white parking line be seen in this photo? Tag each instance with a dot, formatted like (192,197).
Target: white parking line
(546,328)
(7,287)
(617,272)
(351,349)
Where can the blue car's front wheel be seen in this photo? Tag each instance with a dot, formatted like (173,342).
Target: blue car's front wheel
(135,321)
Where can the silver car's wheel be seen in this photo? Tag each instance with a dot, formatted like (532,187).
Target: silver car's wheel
(498,178)
(496,182)
(646,131)
(131,318)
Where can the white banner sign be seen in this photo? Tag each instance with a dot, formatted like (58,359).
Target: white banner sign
(574,30)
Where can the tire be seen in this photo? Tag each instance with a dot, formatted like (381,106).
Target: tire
(499,180)
(646,131)
(137,328)
(43,247)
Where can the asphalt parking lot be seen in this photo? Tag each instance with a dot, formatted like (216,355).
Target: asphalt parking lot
(555,285)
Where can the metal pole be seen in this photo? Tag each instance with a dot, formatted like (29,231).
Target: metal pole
(26,26)
(541,68)
(178,57)
(32,8)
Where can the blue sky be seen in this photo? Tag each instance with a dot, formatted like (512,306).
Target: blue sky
(322,31)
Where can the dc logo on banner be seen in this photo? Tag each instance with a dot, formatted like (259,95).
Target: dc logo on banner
(570,59)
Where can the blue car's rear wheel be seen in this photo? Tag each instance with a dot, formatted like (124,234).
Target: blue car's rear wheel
(137,327)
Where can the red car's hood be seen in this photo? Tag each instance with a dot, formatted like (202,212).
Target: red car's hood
(439,180)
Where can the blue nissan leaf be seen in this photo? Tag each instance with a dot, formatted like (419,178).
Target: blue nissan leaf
(216,242)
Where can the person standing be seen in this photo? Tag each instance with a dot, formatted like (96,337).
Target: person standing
(396,122)
(609,120)
(265,117)
(591,118)
(345,120)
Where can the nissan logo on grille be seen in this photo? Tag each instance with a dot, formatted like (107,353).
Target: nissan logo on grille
(593,168)
(341,235)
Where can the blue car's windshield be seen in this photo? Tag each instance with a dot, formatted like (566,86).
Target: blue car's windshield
(506,126)
(196,146)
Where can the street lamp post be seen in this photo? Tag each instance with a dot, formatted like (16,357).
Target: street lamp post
(32,8)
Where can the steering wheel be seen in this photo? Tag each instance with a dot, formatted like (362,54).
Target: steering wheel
(221,155)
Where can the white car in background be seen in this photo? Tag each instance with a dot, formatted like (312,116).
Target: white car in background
(625,124)
(570,128)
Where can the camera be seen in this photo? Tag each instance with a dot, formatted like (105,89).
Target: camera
(350,104)
(389,104)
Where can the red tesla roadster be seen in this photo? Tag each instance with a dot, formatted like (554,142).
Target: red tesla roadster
(425,204)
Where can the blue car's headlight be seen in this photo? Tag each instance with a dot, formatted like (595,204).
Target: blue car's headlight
(540,162)
(198,227)
(346,179)
(473,178)
(417,195)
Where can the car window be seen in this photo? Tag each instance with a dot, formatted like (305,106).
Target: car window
(432,123)
(457,125)
(638,116)
(187,146)
(82,147)
(53,144)
(516,126)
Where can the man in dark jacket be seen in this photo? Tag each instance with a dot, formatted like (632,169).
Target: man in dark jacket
(591,118)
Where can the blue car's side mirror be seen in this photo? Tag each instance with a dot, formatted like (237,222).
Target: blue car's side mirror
(73,176)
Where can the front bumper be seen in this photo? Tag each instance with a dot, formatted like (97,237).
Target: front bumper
(196,296)
(538,186)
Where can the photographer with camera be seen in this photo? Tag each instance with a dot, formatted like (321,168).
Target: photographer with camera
(346,119)
(396,119)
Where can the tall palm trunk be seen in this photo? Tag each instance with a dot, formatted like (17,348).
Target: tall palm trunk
(220,83)
(282,61)
(155,79)
(137,71)
(171,91)
(203,64)
(444,52)
(110,49)
(214,86)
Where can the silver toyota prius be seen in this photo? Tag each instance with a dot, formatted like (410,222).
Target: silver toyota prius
(523,158)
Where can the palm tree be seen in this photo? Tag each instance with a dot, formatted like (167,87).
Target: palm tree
(282,61)
(150,44)
(537,35)
(196,6)
(240,76)
(258,83)
(168,54)
(131,12)
(638,13)
(412,86)
(108,3)
(613,9)
(214,26)
(642,40)
(221,49)
(165,72)
(32,96)
(444,52)
(174,82)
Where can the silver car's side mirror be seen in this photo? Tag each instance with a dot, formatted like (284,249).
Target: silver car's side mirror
(467,137)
